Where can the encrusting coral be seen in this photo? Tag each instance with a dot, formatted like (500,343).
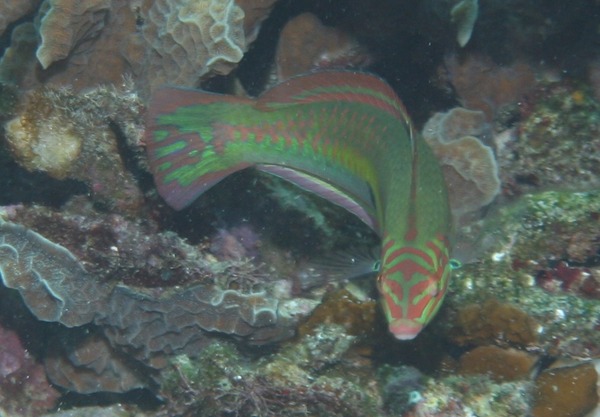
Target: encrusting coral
(469,165)
(66,24)
(87,43)
(167,298)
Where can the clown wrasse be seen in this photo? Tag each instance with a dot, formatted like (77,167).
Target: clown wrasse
(342,135)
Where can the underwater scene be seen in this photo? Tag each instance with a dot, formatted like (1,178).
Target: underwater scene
(281,208)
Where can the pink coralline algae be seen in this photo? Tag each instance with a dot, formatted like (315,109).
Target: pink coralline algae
(24,389)
(582,281)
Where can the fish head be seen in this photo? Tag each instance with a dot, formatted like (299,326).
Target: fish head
(412,283)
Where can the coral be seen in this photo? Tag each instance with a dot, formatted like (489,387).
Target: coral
(12,354)
(582,281)
(66,24)
(528,239)
(24,389)
(86,363)
(165,298)
(498,363)
(342,308)
(12,10)
(557,143)
(19,55)
(52,282)
(217,382)
(85,44)
(494,322)
(68,135)
(189,38)
(305,44)
(467,396)
(567,392)
(236,243)
(480,84)
(469,166)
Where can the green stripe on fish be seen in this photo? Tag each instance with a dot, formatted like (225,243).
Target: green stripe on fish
(342,135)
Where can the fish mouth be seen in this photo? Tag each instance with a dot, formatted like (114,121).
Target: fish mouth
(404,329)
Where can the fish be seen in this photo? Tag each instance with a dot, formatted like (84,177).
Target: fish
(343,135)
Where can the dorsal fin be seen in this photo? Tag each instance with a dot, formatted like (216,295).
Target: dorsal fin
(323,86)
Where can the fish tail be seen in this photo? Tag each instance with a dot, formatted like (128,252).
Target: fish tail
(191,143)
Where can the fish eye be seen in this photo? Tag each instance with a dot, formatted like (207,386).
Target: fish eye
(455,264)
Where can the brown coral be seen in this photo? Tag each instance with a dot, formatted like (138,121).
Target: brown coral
(67,24)
(480,84)
(189,38)
(567,392)
(500,364)
(306,44)
(12,10)
(494,322)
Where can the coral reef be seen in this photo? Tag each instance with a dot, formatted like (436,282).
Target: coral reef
(556,145)
(298,380)
(71,136)
(66,24)
(480,84)
(89,43)
(167,298)
(115,299)
(457,138)
(523,241)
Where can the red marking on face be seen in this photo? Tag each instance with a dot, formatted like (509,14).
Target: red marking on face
(387,288)
(408,268)
(408,250)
